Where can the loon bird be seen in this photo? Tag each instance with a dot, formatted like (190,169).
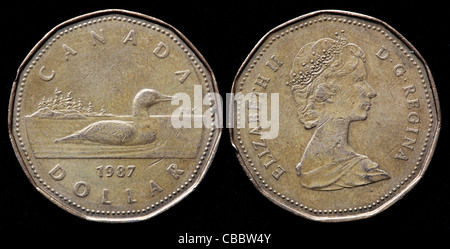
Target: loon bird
(117,132)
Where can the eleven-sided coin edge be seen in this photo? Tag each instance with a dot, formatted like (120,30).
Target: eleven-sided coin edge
(28,165)
(384,201)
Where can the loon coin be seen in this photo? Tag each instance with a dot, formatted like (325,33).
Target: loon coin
(335,116)
(101,120)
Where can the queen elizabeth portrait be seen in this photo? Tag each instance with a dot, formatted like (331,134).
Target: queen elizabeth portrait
(330,86)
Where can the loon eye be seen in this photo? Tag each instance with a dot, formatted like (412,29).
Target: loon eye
(371,95)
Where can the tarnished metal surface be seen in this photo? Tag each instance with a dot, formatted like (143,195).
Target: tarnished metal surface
(358,116)
(91,116)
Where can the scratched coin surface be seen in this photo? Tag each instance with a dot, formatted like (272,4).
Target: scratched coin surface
(335,116)
(93,116)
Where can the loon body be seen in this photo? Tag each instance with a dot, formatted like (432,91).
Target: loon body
(116,132)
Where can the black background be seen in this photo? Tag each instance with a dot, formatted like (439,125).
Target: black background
(225,201)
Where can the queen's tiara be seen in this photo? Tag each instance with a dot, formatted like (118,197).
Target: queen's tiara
(317,61)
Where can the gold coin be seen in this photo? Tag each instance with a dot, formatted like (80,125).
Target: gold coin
(335,116)
(93,116)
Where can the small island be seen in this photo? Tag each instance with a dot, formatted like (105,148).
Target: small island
(64,106)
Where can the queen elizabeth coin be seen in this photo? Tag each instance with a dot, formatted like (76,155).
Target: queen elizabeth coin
(335,116)
(101,121)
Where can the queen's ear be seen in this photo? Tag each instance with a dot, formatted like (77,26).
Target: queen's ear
(324,93)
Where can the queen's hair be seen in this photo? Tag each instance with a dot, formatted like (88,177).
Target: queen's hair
(315,74)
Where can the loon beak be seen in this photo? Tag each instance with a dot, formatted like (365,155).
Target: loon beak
(163,98)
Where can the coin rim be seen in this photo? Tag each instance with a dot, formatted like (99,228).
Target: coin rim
(387,203)
(206,162)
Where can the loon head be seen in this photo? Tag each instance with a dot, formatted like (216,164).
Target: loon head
(146,98)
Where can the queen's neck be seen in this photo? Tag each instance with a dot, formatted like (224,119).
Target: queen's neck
(333,130)
(329,141)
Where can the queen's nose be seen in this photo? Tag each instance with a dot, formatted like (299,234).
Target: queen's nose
(370,93)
